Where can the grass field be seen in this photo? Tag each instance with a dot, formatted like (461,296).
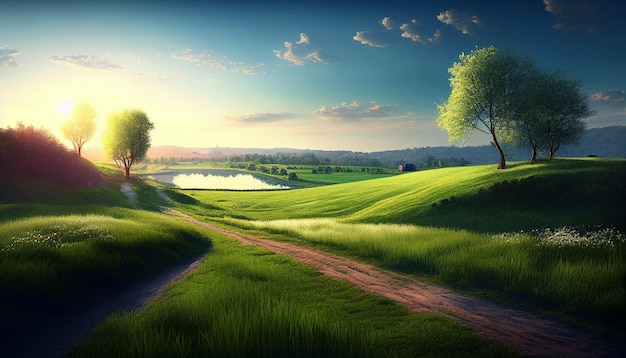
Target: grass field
(547,236)
(460,227)
(478,198)
(244,301)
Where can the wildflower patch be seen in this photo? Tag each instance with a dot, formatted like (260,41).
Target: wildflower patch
(57,236)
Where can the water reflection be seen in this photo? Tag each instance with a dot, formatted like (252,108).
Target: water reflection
(231,182)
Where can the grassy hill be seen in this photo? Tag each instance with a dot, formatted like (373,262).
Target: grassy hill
(546,237)
(479,198)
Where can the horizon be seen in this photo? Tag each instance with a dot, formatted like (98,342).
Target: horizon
(329,76)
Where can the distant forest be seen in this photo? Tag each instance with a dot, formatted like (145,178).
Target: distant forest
(606,142)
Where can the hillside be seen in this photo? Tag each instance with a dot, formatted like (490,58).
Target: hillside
(479,198)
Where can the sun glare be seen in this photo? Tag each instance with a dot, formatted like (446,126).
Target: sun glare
(65,107)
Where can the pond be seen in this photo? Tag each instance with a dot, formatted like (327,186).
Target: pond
(219,179)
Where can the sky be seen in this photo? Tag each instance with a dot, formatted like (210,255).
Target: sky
(290,74)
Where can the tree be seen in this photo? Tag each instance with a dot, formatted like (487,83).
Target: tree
(564,118)
(127,137)
(485,89)
(81,126)
(529,123)
(551,113)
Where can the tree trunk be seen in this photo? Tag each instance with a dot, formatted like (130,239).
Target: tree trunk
(495,143)
(79,149)
(127,172)
(533,156)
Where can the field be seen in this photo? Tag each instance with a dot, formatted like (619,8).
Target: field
(544,237)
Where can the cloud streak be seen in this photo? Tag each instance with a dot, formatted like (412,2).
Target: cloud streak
(357,111)
(87,61)
(220,63)
(464,22)
(388,35)
(609,96)
(300,53)
(7,57)
(252,118)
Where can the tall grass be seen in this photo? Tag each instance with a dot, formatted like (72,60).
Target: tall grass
(52,266)
(65,252)
(246,302)
(564,271)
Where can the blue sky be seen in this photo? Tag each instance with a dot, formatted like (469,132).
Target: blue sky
(298,74)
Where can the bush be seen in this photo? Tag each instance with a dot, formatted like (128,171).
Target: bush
(30,153)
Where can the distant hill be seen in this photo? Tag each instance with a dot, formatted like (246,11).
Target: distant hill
(606,142)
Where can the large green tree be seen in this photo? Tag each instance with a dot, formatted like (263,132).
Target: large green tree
(486,87)
(552,112)
(81,126)
(127,137)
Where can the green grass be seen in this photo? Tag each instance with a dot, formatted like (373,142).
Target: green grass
(49,258)
(548,194)
(456,226)
(339,178)
(446,225)
(245,301)
(578,276)
(65,249)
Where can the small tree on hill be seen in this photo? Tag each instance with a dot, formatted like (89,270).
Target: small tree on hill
(127,137)
(80,127)
(485,89)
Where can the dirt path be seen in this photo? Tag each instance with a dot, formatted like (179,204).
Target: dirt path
(531,334)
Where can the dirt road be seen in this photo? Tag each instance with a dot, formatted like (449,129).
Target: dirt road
(531,334)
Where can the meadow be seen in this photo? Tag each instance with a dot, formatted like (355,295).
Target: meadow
(544,237)
(244,301)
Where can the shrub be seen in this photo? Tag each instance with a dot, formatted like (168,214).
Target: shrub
(30,153)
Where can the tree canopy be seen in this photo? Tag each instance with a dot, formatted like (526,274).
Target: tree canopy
(127,137)
(551,113)
(81,126)
(511,99)
(485,87)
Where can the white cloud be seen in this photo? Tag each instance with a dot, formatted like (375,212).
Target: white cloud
(300,53)
(387,23)
(87,61)
(609,96)
(436,36)
(410,31)
(221,63)
(359,111)
(261,117)
(370,39)
(304,39)
(377,38)
(7,57)
(386,37)
(463,22)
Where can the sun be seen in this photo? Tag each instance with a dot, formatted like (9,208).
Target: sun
(65,107)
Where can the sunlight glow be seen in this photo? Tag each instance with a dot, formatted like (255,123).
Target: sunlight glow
(65,107)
